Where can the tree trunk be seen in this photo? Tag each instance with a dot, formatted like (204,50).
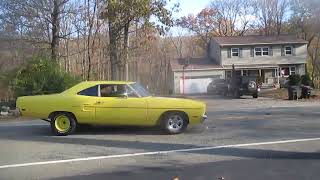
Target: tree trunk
(113,51)
(125,50)
(314,58)
(55,29)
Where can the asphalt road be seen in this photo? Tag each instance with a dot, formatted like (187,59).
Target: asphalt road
(242,139)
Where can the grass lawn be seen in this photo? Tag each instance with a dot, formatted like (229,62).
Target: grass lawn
(283,94)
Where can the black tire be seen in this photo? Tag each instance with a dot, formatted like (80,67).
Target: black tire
(255,96)
(68,118)
(174,122)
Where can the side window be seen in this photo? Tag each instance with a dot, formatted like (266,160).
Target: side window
(110,90)
(92,91)
(130,92)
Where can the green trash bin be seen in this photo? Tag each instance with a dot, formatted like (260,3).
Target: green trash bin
(294,92)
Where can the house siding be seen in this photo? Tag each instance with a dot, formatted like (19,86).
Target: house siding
(300,56)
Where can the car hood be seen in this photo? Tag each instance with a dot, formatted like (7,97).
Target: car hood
(174,103)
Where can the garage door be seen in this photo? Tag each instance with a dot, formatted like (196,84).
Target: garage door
(195,85)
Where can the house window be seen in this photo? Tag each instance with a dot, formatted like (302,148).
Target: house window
(261,51)
(235,51)
(288,50)
(258,51)
(292,70)
(265,51)
(287,71)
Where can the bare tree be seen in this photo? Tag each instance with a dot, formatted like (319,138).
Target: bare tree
(306,24)
(120,15)
(204,24)
(36,20)
(177,42)
(272,15)
(233,16)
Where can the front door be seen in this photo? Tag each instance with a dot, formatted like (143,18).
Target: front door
(116,107)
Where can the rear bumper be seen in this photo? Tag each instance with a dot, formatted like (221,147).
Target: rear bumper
(249,92)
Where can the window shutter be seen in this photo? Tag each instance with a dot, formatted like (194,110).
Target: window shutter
(252,51)
(293,50)
(282,51)
(229,52)
(240,52)
(270,51)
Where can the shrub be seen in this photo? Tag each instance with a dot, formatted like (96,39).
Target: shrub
(259,80)
(306,80)
(294,80)
(10,104)
(41,76)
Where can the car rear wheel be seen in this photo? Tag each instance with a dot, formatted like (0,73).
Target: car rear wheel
(255,95)
(174,123)
(63,124)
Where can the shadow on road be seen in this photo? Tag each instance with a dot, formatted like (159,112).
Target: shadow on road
(40,134)
(248,169)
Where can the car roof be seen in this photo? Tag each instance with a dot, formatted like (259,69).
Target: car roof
(107,82)
(87,84)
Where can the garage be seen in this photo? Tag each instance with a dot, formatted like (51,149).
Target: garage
(195,77)
(195,85)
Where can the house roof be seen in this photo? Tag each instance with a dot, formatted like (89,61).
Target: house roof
(194,63)
(258,39)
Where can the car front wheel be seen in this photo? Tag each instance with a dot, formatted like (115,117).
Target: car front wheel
(63,124)
(174,122)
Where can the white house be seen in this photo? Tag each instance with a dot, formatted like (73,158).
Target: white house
(273,58)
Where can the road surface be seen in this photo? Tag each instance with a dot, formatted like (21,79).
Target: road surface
(242,139)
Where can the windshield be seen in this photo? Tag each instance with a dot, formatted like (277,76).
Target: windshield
(140,90)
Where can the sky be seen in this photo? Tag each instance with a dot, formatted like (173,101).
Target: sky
(186,7)
(190,6)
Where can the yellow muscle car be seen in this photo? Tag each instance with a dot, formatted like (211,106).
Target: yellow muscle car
(111,103)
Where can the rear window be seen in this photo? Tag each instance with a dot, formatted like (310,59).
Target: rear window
(92,91)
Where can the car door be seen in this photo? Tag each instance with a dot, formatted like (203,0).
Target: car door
(84,105)
(116,107)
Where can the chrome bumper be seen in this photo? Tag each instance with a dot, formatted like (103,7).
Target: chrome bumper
(18,112)
(204,117)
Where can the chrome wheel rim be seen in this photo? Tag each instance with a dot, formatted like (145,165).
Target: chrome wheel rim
(62,123)
(175,122)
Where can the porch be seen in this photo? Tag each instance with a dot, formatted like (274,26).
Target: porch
(270,76)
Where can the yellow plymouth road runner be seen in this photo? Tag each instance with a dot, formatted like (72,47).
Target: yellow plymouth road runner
(111,103)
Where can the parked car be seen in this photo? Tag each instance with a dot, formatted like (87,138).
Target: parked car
(111,103)
(218,86)
(246,85)
(235,87)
